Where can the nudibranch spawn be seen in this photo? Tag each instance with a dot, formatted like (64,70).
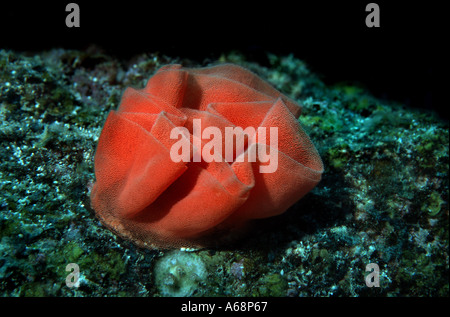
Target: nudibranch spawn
(162,180)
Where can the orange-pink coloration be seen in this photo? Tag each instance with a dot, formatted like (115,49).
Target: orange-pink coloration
(143,195)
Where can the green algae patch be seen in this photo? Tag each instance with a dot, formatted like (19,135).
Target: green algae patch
(339,156)
(434,204)
(271,285)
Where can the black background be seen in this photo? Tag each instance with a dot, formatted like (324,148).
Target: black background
(397,61)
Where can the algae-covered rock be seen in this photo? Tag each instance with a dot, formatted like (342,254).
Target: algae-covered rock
(383,197)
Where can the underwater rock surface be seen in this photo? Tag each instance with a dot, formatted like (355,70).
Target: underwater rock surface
(383,197)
